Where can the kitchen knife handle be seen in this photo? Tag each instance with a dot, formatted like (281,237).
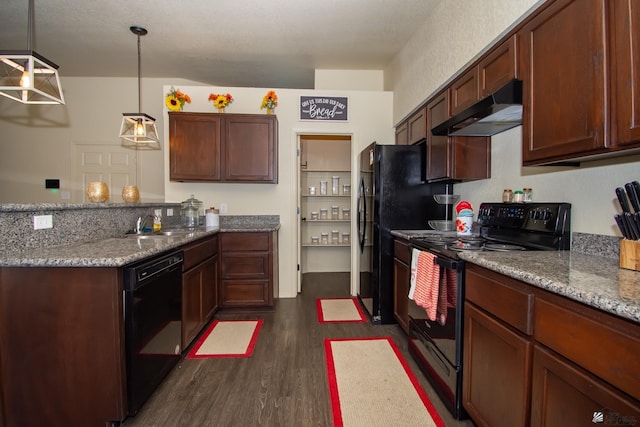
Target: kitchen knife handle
(636,189)
(633,196)
(634,232)
(622,198)
(621,225)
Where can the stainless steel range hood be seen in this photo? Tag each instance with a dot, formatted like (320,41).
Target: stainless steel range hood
(496,113)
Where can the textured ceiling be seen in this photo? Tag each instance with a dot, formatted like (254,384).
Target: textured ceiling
(253,43)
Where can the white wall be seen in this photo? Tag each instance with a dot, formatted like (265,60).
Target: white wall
(453,36)
(589,188)
(36,141)
(369,119)
(349,80)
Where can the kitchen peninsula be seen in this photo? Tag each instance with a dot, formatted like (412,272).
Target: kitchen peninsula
(62,327)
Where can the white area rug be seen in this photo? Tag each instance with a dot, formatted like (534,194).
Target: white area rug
(339,310)
(227,338)
(371,384)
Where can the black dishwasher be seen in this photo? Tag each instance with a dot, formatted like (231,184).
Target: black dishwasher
(153,324)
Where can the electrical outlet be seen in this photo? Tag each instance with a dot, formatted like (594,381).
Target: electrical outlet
(42,221)
(169,211)
(223,208)
(157,212)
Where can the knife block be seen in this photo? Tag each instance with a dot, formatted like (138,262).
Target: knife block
(630,254)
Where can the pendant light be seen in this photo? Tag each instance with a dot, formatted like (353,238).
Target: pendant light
(138,129)
(26,76)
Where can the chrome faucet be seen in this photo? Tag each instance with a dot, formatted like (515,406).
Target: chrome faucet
(142,221)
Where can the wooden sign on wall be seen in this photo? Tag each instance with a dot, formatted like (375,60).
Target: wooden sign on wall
(324,108)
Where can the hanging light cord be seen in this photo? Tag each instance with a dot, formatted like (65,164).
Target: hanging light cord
(139,68)
(30,25)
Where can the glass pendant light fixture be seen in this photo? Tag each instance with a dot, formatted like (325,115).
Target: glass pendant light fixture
(26,76)
(138,129)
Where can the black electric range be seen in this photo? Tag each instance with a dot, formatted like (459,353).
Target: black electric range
(437,345)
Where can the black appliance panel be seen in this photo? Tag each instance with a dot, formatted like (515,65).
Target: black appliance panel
(153,324)
(393,183)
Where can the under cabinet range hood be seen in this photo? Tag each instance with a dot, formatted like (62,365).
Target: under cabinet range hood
(496,113)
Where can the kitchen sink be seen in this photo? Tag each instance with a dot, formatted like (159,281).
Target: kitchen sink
(163,234)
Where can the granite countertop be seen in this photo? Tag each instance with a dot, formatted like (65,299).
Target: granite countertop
(122,250)
(593,280)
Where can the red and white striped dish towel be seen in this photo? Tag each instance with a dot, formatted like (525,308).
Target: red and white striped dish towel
(425,282)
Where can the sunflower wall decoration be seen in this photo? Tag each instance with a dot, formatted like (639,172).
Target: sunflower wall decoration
(176,99)
(269,101)
(221,101)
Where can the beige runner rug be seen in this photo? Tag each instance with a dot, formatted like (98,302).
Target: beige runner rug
(227,338)
(339,310)
(371,384)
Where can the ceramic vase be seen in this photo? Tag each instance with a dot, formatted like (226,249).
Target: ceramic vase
(130,193)
(97,191)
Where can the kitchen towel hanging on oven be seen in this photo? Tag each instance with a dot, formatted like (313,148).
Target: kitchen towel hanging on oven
(432,287)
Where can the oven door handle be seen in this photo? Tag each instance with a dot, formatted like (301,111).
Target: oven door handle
(443,262)
(447,263)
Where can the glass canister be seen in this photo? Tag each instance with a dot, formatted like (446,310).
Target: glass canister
(314,216)
(528,195)
(346,237)
(335,237)
(324,213)
(335,185)
(346,189)
(507,195)
(346,214)
(191,211)
(324,238)
(315,240)
(518,196)
(335,212)
(323,188)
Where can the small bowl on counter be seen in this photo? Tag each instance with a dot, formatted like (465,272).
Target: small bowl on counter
(442,225)
(446,199)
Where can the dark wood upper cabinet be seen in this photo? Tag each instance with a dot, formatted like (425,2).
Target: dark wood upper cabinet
(562,55)
(417,126)
(464,91)
(498,67)
(194,146)
(402,134)
(625,66)
(223,147)
(438,152)
(250,148)
(459,158)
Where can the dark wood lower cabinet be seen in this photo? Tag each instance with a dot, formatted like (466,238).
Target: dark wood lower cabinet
(535,358)
(248,269)
(565,395)
(62,346)
(497,371)
(199,287)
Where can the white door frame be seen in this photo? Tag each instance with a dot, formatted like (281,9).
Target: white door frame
(355,155)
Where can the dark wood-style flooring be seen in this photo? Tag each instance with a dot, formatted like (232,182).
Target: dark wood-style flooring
(284,383)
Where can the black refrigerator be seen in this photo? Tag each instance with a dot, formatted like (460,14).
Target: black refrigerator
(392,195)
